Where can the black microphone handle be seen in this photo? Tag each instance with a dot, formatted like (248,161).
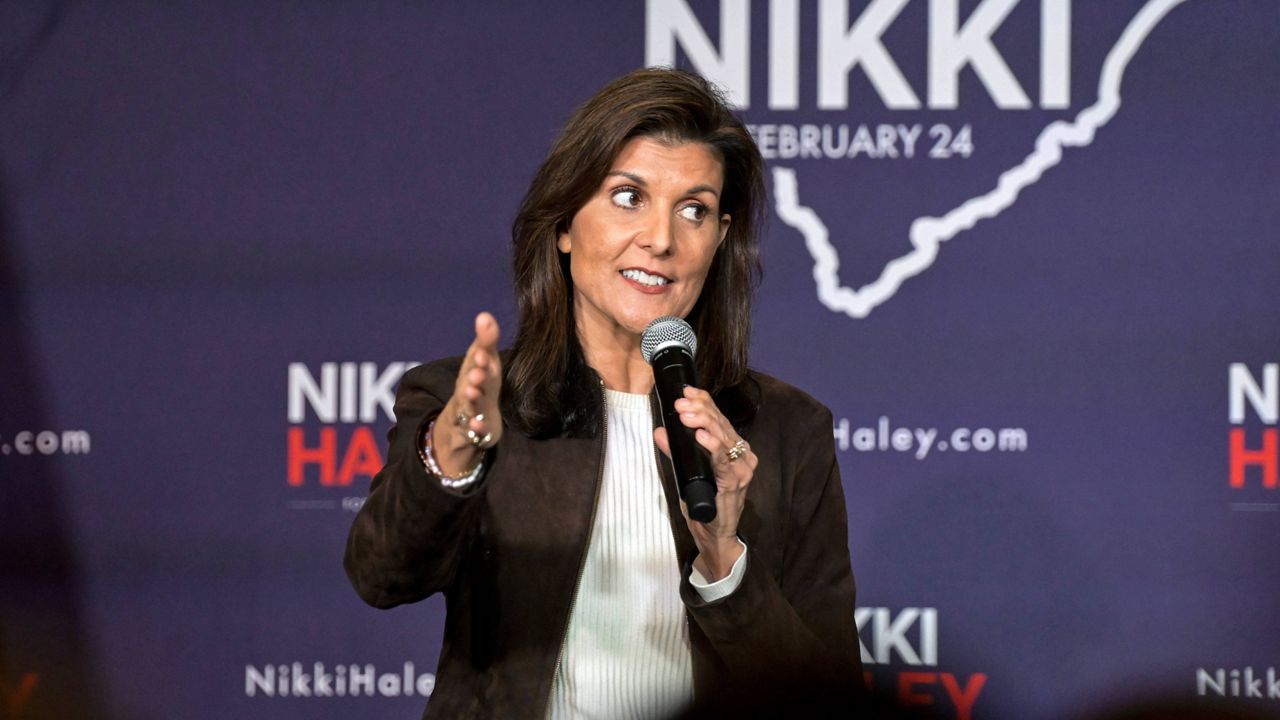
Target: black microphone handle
(672,372)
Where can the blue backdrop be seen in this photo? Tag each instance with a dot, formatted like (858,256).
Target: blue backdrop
(1025,251)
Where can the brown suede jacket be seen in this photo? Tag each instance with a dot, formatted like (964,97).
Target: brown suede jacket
(508,551)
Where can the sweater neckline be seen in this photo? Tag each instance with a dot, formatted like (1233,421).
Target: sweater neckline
(619,400)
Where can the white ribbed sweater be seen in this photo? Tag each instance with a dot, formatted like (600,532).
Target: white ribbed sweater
(626,654)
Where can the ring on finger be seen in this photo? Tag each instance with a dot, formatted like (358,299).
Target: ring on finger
(738,450)
(483,442)
(461,419)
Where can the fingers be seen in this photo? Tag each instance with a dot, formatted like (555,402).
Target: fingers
(714,432)
(487,333)
(481,367)
(697,410)
(474,406)
(660,439)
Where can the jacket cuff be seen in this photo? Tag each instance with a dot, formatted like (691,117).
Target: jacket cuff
(713,591)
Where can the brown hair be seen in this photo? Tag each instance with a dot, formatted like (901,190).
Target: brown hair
(549,387)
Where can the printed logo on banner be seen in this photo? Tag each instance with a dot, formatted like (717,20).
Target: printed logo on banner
(1249,683)
(318,680)
(1253,445)
(334,436)
(46,442)
(920,442)
(845,43)
(900,657)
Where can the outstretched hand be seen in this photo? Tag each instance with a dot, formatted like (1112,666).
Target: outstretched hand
(471,420)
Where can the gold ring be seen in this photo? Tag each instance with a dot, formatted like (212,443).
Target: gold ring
(738,450)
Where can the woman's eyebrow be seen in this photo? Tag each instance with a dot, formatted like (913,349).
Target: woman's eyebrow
(640,181)
(630,176)
(702,188)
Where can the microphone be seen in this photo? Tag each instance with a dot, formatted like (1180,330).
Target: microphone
(668,345)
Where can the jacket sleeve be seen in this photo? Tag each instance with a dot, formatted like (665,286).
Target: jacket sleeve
(407,540)
(794,628)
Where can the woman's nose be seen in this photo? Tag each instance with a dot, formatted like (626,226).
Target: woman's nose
(658,237)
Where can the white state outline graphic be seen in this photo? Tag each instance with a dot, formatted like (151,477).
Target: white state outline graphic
(927,233)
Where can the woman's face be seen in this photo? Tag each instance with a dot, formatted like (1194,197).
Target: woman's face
(641,246)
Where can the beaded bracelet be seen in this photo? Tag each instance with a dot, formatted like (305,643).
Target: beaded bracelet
(433,467)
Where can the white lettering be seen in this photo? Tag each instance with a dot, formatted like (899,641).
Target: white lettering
(1055,54)
(47,442)
(361,678)
(1217,682)
(784,54)
(909,135)
(840,49)
(323,681)
(670,21)
(301,686)
(864,439)
(925,440)
(841,433)
(1264,399)
(671,26)
(983,439)
(322,396)
(426,684)
(890,635)
(951,49)
(255,680)
(378,391)
(901,439)
(75,442)
(346,392)
(1013,439)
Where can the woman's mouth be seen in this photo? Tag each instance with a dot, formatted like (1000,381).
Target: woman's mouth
(646,279)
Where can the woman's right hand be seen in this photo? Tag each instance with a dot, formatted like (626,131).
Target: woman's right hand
(474,404)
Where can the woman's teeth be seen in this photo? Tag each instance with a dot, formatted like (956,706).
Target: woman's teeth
(644,278)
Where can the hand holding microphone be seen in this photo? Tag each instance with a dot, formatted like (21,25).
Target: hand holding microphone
(713,465)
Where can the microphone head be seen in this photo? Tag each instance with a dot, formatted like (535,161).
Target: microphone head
(666,331)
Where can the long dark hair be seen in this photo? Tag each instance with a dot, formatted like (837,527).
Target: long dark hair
(549,386)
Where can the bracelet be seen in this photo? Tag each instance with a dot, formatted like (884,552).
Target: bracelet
(429,460)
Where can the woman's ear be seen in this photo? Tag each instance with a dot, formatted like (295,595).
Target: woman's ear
(564,242)
(724,229)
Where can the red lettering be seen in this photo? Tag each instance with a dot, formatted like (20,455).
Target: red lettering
(362,457)
(16,699)
(906,688)
(1267,457)
(964,699)
(324,456)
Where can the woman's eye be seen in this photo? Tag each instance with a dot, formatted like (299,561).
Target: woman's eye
(694,213)
(625,198)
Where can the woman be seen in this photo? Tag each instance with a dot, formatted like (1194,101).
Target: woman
(526,487)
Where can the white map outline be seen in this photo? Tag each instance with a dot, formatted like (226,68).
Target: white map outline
(927,233)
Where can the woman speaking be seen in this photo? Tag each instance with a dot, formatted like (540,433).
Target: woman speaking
(527,486)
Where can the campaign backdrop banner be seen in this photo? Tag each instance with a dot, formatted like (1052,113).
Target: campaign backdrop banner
(1025,251)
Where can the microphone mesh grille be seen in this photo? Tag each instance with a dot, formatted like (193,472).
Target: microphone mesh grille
(667,330)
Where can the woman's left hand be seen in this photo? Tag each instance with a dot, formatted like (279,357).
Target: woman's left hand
(717,541)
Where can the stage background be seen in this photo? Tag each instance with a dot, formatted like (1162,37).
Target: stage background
(207,209)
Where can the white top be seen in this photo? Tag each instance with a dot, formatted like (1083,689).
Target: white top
(626,654)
